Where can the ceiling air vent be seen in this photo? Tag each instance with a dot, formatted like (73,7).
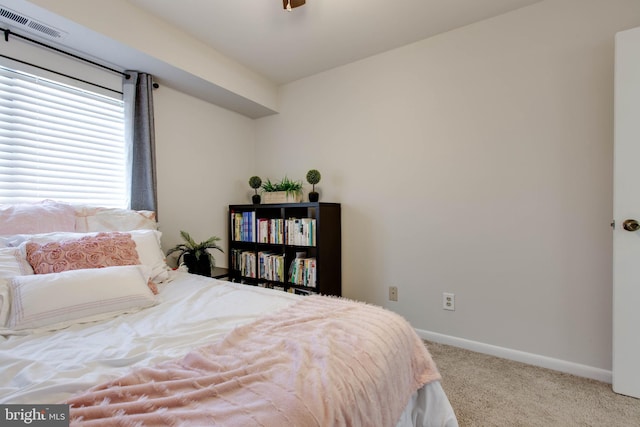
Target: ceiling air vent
(13,16)
(51,32)
(21,21)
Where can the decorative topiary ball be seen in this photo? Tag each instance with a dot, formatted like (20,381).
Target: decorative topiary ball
(313,177)
(255,182)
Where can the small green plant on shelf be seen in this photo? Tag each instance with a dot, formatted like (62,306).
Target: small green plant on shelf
(287,185)
(196,256)
(255,182)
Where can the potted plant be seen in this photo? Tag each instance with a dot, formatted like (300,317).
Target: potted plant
(255,182)
(313,177)
(283,191)
(197,257)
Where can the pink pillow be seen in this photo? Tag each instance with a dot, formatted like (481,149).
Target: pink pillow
(101,250)
(97,251)
(33,218)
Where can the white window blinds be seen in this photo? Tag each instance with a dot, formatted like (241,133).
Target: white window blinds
(59,142)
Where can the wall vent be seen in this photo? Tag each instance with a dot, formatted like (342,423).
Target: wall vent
(18,20)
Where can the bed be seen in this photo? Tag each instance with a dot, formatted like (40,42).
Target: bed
(124,340)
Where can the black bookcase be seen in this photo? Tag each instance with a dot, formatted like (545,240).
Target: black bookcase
(265,239)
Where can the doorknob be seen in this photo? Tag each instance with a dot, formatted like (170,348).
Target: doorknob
(631,225)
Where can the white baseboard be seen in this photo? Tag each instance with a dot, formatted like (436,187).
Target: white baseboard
(520,356)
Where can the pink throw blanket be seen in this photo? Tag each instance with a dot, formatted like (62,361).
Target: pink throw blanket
(320,362)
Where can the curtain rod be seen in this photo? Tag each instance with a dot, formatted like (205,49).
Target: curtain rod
(60,74)
(8,32)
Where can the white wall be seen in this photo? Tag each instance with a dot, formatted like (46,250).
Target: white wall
(477,162)
(205,156)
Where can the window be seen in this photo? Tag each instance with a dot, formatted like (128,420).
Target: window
(59,142)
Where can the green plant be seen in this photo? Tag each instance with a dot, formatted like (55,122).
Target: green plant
(196,254)
(313,177)
(291,187)
(255,182)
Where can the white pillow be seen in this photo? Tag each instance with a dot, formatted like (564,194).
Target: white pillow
(150,253)
(57,300)
(90,219)
(13,263)
(147,246)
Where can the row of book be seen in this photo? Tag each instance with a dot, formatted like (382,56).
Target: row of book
(244,262)
(300,231)
(303,272)
(271,230)
(243,226)
(291,231)
(271,266)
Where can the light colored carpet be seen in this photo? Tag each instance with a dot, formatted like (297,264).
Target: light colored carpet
(489,391)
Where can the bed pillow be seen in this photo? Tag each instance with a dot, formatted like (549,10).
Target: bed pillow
(31,218)
(91,219)
(57,300)
(4,302)
(13,263)
(101,250)
(150,252)
(147,246)
(92,251)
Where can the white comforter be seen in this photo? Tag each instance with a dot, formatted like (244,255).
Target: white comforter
(49,367)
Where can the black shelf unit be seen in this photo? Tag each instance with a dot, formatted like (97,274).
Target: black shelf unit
(327,250)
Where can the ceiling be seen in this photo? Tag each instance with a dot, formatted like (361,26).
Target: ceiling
(323,34)
(278,45)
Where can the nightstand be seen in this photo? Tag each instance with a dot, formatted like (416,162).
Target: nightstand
(219,272)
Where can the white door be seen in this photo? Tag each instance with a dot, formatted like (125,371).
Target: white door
(626,213)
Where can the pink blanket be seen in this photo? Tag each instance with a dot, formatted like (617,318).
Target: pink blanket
(320,362)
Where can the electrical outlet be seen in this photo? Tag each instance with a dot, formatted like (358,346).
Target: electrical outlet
(393,293)
(448,301)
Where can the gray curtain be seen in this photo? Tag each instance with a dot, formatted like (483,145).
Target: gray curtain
(137,93)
